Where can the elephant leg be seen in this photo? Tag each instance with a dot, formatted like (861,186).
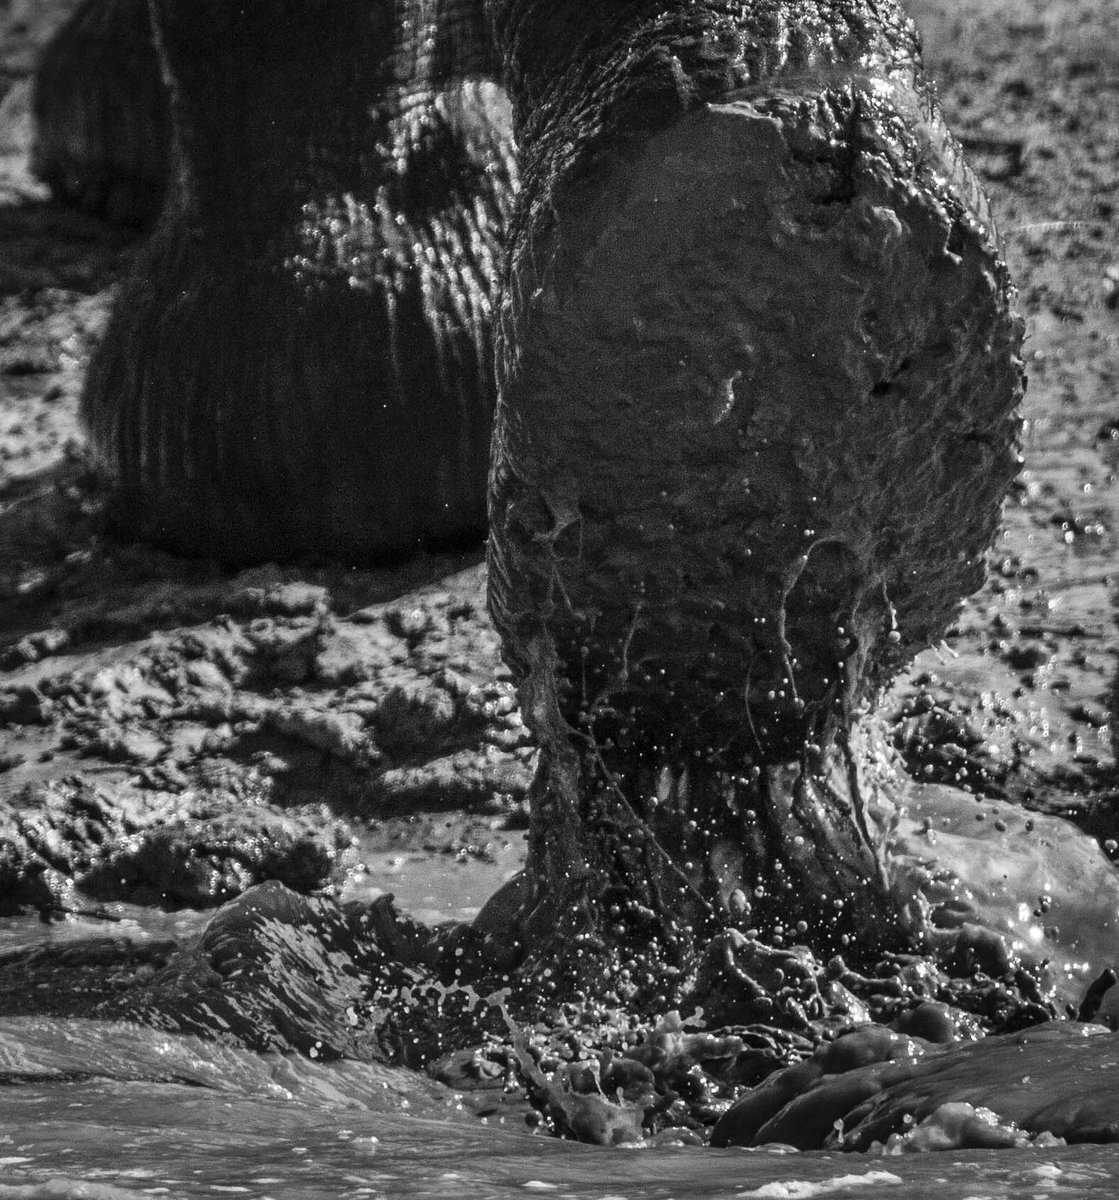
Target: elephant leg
(758,374)
(102,130)
(300,360)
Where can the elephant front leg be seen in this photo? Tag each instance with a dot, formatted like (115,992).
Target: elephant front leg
(757,345)
(300,360)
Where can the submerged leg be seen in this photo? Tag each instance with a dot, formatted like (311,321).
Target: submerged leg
(758,374)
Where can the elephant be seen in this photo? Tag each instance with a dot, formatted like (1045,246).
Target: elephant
(758,378)
(103,129)
(744,311)
(316,269)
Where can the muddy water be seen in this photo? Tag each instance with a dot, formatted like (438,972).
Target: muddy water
(208,1122)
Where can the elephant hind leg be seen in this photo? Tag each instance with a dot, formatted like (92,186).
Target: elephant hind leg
(300,360)
(102,129)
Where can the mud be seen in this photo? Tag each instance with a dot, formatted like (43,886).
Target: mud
(173,733)
(150,677)
(178,765)
(873,1087)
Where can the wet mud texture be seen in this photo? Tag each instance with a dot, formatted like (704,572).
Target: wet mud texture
(877,1087)
(275,971)
(174,746)
(759,371)
(272,971)
(1022,712)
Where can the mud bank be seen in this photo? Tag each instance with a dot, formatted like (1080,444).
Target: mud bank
(178,765)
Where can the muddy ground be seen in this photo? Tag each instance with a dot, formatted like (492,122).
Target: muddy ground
(171,732)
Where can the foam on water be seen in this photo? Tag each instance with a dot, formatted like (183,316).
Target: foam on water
(802,1189)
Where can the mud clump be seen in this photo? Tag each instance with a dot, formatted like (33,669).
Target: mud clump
(873,1089)
(180,766)
(153,847)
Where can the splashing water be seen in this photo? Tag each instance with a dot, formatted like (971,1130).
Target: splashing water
(147,1114)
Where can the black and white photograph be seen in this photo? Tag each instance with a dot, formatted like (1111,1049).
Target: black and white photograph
(559,599)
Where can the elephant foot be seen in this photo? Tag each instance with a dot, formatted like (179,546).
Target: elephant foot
(758,375)
(300,360)
(102,127)
(638,861)
(247,414)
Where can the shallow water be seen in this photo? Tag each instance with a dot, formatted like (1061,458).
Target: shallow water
(281,1152)
(455,890)
(211,1122)
(144,1112)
